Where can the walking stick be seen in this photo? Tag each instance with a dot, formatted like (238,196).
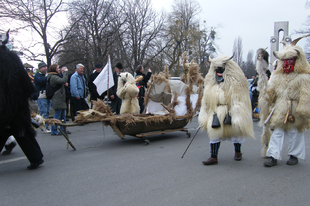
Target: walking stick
(190,142)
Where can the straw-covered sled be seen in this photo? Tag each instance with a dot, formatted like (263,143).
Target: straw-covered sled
(169,106)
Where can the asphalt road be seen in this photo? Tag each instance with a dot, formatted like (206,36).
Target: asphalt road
(126,172)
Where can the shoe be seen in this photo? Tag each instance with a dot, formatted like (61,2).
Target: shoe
(47,131)
(68,132)
(33,165)
(210,161)
(9,148)
(271,162)
(238,156)
(292,160)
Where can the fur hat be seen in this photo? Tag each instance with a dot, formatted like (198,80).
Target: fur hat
(41,64)
(119,65)
(98,66)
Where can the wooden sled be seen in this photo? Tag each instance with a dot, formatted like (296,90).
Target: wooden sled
(142,130)
(144,125)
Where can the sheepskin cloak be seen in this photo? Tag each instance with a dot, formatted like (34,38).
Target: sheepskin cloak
(292,89)
(128,91)
(230,96)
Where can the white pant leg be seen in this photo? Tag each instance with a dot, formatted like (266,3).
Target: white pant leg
(296,144)
(214,141)
(10,140)
(276,144)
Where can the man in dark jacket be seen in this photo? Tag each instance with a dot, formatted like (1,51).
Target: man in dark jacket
(116,102)
(142,85)
(40,84)
(92,87)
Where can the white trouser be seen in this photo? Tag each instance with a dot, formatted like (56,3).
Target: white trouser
(10,140)
(231,139)
(296,144)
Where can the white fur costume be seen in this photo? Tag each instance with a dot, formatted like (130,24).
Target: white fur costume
(288,94)
(128,91)
(230,96)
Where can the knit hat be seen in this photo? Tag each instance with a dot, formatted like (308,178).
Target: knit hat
(119,66)
(98,66)
(41,64)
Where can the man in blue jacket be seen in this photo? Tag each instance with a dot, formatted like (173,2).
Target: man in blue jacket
(78,89)
(40,85)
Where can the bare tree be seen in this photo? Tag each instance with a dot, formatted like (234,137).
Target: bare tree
(184,33)
(207,47)
(37,16)
(94,34)
(238,51)
(249,67)
(143,28)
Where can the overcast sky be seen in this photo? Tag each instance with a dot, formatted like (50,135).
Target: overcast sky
(252,20)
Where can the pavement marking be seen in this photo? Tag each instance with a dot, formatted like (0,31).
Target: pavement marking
(12,160)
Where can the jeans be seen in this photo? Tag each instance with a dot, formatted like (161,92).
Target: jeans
(44,107)
(61,115)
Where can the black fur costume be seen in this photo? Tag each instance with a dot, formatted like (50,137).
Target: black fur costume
(15,90)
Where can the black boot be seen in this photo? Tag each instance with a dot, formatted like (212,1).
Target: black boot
(214,152)
(238,154)
(9,148)
(35,165)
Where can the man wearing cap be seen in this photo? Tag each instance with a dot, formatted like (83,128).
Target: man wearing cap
(92,87)
(78,89)
(116,102)
(40,85)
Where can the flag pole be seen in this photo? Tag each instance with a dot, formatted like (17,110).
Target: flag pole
(108,80)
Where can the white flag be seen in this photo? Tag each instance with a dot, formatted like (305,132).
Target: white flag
(101,80)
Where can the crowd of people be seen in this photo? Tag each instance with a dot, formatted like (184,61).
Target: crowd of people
(74,88)
(70,93)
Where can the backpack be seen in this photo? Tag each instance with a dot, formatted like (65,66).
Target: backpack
(50,91)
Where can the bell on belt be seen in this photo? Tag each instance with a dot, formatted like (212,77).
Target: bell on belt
(291,118)
(227,119)
(215,122)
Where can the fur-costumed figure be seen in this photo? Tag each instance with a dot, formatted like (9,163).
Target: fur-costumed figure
(287,101)
(15,90)
(128,91)
(262,64)
(225,108)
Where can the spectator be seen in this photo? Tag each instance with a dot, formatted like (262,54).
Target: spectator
(67,90)
(78,89)
(142,85)
(59,98)
(92,87)
(116,102)
(40,84)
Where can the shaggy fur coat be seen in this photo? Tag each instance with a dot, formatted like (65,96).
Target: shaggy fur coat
(289,91)
(128,91)
(230,96)
(15,90)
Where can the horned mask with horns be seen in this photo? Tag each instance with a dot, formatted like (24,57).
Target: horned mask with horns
(219,67)
(291,58)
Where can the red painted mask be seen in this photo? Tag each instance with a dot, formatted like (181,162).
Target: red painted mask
(288,65)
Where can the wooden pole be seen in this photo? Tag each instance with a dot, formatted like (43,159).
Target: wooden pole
(108,80)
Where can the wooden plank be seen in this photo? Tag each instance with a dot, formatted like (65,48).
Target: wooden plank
(117,131)
(161,132)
